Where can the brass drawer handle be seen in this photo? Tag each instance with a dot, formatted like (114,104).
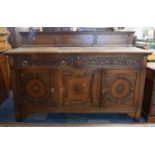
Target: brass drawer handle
(25,63)
(63,63)
(129,62)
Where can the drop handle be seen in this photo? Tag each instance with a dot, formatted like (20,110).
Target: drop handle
(25,63)
(63,63)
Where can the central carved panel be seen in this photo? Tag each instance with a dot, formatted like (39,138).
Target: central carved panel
(120,88)
(36,87)
(80,88)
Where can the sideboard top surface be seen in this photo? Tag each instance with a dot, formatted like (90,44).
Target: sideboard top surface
(78,50)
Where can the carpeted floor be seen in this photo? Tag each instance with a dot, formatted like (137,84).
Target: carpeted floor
(7,115)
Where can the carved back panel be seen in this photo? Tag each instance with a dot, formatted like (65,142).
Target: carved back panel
(79,39)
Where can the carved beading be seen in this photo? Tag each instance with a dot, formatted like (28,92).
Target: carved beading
(113,61)
(42,60)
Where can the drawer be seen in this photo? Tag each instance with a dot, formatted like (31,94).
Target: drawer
(19,61)
(76,60)
(113,61)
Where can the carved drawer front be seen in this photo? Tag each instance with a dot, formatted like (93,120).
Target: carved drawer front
(37,86)
(80,88)
(119,88)
(77,61)
(112,61)
(42,60)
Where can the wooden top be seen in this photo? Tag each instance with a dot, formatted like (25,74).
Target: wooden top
(151,65)
(79,50)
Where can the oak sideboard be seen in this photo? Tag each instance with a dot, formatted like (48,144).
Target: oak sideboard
(78,80)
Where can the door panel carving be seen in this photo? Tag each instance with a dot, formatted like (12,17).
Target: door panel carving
(37,86)
(80,87)
(118,87)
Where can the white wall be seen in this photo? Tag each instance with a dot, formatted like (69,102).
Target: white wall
(142,32)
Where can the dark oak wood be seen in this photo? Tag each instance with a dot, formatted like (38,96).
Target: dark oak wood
(84,38)
(149,94)
(78,79)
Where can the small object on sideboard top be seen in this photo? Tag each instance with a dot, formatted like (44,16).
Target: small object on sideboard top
(4,34)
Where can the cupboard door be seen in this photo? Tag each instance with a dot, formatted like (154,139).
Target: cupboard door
(80,88)
(119,88)
(37,86)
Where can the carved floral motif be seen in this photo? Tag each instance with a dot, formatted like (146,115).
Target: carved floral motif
(118,89)
(35,88)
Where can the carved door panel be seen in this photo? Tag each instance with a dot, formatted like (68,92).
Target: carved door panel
(80,88)
(37,86)
(119,88)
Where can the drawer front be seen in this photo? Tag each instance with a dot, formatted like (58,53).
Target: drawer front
(76,60)
(19,61)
